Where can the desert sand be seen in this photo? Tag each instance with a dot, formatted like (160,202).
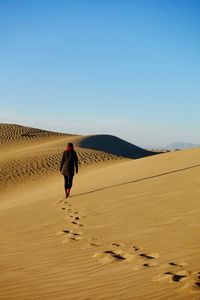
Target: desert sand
(130,229)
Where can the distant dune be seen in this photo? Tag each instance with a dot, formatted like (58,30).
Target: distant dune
(113,145)
(181,146)
(172,147)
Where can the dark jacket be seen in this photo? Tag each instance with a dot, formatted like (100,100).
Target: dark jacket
(68,163)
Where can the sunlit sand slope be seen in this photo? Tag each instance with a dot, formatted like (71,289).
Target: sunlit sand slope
(29,153)
(129,231)
(14,134)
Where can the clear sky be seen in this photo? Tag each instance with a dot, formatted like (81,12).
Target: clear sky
(125,67)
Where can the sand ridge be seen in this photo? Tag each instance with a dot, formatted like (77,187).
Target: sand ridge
(113,145)
(12,134)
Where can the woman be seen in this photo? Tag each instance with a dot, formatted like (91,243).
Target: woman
(68,163)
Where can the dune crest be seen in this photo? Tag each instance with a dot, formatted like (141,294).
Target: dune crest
(15,134)
(113,145)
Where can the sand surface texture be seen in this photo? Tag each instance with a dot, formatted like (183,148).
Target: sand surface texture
(28,154)
(130,229)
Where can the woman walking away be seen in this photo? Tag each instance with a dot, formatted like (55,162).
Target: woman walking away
(68,163)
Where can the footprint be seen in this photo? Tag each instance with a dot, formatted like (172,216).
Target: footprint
(76,238)
(60,201)
(71,236)
(175,264)
(143,257)
(146,256)
(95,244)
(77,213)
(178,272)
(197,280)
(176,277)
(109,256)
(76,234)
(192,282)
(147,265)
(78,224)
(197,283)
(73,222)
(173,276)
(66,231)
(115,255)
(136,248)
(116,244)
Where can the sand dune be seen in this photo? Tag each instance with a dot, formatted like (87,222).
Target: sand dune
(14,134)
(130,230)
(112,144)
(29,153)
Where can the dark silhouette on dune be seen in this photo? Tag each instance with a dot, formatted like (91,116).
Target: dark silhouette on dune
(113,145)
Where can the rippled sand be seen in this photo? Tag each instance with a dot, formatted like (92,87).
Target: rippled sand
(130,229)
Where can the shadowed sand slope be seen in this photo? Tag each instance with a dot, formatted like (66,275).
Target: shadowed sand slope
(131,235)
(113,145)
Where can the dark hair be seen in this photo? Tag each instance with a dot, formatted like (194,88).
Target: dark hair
(70,147)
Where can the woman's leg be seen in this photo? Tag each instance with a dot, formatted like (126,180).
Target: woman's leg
(66,184)
(70,178)
(70,182)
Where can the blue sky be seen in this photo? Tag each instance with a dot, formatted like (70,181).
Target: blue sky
(128,68)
